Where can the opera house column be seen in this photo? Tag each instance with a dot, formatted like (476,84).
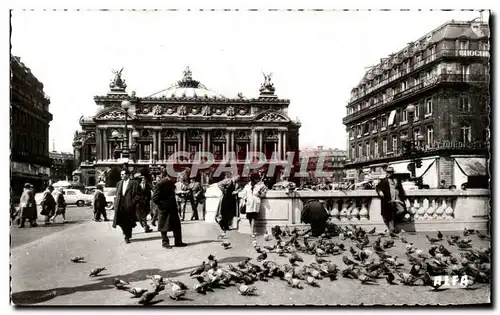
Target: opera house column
(154,146)
(105,145)
(98,144)
(279,147)
(159,146)
(285,147)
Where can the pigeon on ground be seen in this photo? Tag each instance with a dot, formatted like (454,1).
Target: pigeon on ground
(267,237)
(372,231)
(137,292)
(295,283)
(147,297)
(95,272)
(198,270)
(247,289)
(388,244)
(390,277)
(262,257)
(243,264)
(176,292)
(156,278)
(120,284)
(440,235)
(482,236)
(432,240)
(312,281)
(76,259)
(226,244)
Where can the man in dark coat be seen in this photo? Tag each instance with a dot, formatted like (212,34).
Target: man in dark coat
(168,214)
(314,213)
(195,196)
(144,206)
(128,195)
(393,196)
(99,204)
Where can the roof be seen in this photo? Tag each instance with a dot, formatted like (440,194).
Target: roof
(449,30)
(61,155)
(187,87)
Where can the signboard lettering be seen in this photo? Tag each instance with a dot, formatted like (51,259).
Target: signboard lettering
(472,53)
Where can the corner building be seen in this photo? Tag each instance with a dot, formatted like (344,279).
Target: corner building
(29,129)
(445,74)
(189,117)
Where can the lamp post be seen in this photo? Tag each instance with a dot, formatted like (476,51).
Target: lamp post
(115,135)
(134,150)
(125,151)
(411,144)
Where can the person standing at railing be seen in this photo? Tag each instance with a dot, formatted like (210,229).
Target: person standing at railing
(252,194)
(393,196)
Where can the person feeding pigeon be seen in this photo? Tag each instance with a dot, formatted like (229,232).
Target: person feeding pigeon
(128,194)
(227,204)
(314,213)
(251,196)
(393,196)
(168,214)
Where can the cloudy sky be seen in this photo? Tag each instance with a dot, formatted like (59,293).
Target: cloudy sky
(316,57)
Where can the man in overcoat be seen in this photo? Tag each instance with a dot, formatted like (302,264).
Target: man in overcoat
(128,195)
(168,214)
(99,204)
(144,206)
(393,196)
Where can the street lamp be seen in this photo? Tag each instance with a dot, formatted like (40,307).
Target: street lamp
(411,144)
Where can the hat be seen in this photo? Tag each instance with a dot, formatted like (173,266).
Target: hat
(137,175)
(27,185)
(389,169)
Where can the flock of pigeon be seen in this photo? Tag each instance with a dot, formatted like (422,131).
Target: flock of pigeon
(365,260)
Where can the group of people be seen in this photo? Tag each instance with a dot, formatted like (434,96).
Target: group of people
(53,204)
(166,202)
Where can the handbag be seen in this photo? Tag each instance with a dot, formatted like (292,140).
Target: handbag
(243,208)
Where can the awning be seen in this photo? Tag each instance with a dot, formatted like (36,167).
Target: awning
(472,166)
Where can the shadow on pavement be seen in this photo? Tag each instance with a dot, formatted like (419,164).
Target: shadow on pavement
(158,237)
(103,283)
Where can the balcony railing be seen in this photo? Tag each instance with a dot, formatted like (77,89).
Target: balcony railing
(466,53)
(424,84)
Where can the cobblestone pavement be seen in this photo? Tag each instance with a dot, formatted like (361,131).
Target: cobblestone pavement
(42,273)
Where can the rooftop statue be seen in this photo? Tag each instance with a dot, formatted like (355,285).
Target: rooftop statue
(267,87)
(118,82)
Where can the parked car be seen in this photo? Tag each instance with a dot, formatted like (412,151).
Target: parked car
(110,194)
(72,197)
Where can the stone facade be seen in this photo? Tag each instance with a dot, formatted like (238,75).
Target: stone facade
(29,129)
(184,117)
(445,75)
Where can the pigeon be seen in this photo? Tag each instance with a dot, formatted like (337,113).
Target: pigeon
(178,283)
(137,292)
(76,259)
(247,289)
(156,278)
(270,247)
(262,257)
(213,263)
(467,232)
(120,284)
(403,239)
(267,237)
(388,244)
(312,281)
(211,257)
(198,270)
(432,240)
(95,272)
(147,297)
(201,287)
(364,279)
(226,244)
(348,262)
(176,292)
(295,283)
(432,250)
(482,236)
(297,257)
(389,277)
(444,251)
(440,235)
(372,231)
(319,259)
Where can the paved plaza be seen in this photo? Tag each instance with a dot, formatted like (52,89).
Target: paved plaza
(43,274)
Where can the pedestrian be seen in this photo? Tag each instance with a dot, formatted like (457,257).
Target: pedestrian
(442,185)
(315,214)
(393,196)
(164,196)
(226,210)
(48,204)
(100,204)
(60,208)
(144,206)
(195,196)
(128,195)
(181,190)
(27,206)
(252,194)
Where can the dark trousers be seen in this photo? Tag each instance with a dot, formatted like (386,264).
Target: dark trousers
(142,218)
(100,211)
(177,237)
(127,232)
(153,212)
(194,207)
(224,224)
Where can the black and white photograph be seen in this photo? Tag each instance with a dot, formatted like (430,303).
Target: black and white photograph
(250,157)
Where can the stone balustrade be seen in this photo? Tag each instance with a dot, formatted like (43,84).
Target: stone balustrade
(429,210)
